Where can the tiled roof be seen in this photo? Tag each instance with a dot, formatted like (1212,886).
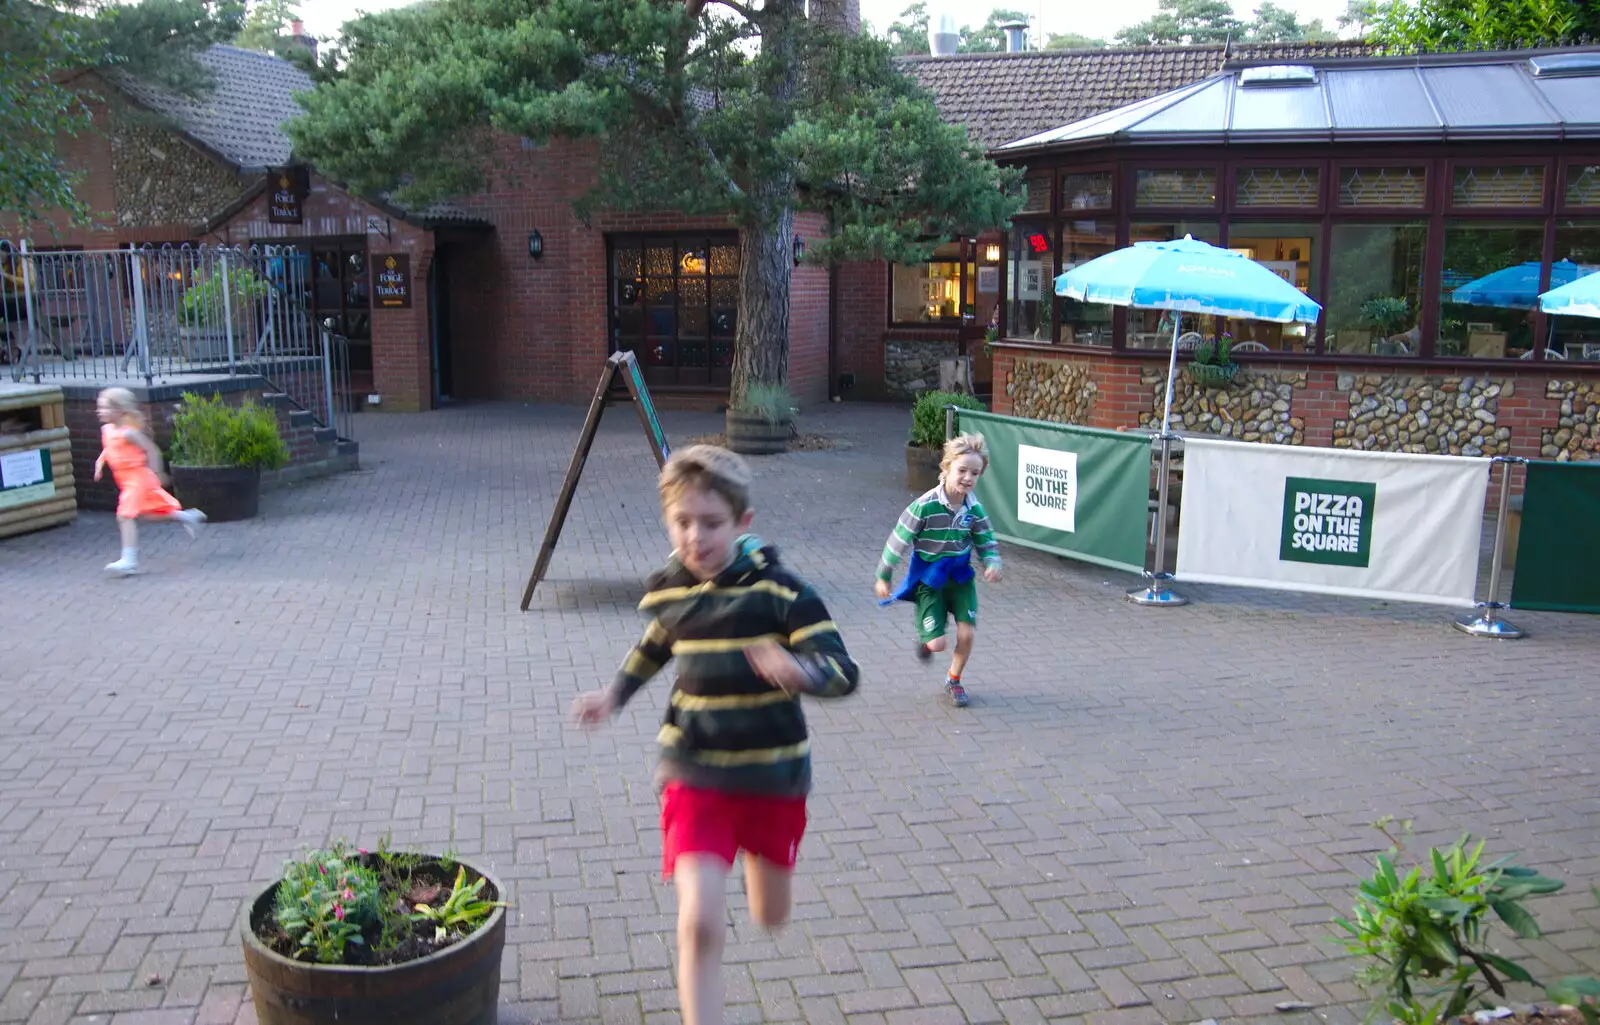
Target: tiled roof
(241,119)
(1005,96)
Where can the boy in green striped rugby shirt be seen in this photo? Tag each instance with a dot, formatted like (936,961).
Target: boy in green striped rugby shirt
(939,531)
(750,638)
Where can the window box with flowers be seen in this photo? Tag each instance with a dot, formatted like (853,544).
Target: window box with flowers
(385,936)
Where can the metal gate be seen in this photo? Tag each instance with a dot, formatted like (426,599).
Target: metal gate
(170,311)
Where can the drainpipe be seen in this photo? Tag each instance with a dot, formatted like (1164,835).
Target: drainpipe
(833,332)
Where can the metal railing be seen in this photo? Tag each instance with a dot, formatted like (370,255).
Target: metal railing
(168,311)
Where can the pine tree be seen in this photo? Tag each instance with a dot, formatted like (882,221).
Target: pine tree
(745,110)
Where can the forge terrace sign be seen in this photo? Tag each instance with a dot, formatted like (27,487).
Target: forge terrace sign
(393,284)
(286,195)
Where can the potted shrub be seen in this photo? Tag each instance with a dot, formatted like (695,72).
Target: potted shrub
(203,317)
(1213,365)
(762,424)
(1386,315)
(218,453)
(388,937)
(926,446)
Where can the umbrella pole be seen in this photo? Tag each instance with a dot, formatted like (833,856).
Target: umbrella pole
(1156,592)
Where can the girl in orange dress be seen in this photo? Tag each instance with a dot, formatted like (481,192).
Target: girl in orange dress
(135,462)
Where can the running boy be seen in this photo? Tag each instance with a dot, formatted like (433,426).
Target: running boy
(940,530)
(750,638)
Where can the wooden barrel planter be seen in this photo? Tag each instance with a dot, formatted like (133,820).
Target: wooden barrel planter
(752,434)
(223,493)
(458,985)
(922,467)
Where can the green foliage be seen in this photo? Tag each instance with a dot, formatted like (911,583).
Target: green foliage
(1423,25)
(1185,21)
(1274,24)
(927,416)
(210,432)
(1430,927)
(462,912)
(203,305)
(1218,353)
(42,45)
(327,901)
(265,25)
(1386,314)
(908,36)
(772,403)
(1073,41)
(988,37)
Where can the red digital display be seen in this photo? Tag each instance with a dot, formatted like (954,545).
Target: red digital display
(1039,243)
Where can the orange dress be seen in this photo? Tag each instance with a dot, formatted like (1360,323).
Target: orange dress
(141,490)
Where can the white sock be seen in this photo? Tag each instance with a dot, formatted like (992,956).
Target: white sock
(130,556)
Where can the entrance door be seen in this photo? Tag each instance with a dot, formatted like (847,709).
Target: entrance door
(439,327)
(340,290)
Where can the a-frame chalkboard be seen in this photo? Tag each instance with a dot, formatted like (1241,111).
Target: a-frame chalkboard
(627,366)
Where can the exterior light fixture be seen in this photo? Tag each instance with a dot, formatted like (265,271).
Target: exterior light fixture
(536,245)
(799,250)
(991,252)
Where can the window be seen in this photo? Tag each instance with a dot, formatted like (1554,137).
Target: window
(1375,288)
(1583,185)
(1030,264)
(1490,288)
(1176,187)
(939,291)
(1577,256)
(1391,187)
(1152,329)
(1088,191)
(1036,193)
(1080,323)
(1278,187)
(674,303)
(1499,186)
(1291,251)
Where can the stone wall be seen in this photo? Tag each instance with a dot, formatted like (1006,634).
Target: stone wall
(1445,415)
(1045,389)
(1257,405)
(1576,435)
(912,365)
(160,179)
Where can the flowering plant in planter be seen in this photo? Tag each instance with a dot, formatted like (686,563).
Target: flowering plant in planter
(355,907)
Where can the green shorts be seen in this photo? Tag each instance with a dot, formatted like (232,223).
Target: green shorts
(935,606)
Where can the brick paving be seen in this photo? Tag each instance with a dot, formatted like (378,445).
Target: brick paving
(1146,816)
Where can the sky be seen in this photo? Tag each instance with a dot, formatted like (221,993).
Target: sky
(1088,17)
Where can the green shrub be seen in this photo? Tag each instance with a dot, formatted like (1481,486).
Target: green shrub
(927,416)
(203,305)
(210,432)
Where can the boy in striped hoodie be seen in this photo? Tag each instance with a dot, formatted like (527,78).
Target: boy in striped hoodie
(750,639)
(939,531)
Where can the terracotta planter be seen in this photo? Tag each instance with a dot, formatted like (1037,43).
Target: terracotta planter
(459,985)
(751,434)
(223,493)
(922,467)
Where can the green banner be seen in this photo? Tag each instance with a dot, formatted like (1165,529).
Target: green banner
(1081,492)
(1558,550)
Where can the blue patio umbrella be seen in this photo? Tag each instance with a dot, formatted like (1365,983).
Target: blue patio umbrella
(1577,298)
(1188,276)
(1517,287)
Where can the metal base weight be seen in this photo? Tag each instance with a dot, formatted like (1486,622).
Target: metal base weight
(1157,593)
(1488,626)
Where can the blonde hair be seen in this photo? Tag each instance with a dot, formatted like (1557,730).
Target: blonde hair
(122,402)
(964,445)
(703,468)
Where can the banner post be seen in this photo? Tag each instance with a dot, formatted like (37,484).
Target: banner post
(949,422)
(1487,625)
(1156,592)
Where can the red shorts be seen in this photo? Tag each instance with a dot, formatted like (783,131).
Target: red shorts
(696,821)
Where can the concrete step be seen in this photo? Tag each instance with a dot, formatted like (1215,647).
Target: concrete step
(325,435)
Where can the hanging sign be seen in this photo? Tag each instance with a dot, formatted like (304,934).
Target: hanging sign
(286,192)
(393,283)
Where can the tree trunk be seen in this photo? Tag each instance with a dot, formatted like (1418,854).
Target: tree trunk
(761,342)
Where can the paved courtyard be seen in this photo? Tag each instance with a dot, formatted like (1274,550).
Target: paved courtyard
(1146,815)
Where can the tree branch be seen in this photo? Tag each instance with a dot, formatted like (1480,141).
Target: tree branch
(733,5)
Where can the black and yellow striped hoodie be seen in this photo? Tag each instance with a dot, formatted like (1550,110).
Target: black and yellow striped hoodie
(726,728)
